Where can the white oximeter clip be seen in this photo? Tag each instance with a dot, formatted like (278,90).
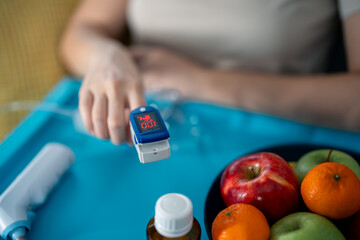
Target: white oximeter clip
(149,134)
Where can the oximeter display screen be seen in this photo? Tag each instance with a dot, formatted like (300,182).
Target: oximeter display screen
(147,121)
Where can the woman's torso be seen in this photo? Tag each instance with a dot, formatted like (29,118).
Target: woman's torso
(283,36)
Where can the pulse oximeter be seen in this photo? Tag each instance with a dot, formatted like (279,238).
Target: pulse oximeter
(149,134)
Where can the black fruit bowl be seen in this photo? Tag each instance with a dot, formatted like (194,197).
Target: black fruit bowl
(214,202)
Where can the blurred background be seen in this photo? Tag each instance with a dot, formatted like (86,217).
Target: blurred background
(29,64)
(30,31)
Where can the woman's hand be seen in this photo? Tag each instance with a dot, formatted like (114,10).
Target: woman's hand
(161,68)
(110,90)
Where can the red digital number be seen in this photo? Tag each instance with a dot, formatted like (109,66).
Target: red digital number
(147,122)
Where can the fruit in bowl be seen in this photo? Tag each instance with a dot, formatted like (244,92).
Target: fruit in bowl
(305,225)
(264,180)
(215,201)
(332,190)
(318,156)
(240,221)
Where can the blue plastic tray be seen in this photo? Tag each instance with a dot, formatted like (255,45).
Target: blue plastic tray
(108,194)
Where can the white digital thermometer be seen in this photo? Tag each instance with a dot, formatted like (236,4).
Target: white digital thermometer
(149,134)
(30,189)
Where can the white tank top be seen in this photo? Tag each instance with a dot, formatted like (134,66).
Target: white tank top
(280,36)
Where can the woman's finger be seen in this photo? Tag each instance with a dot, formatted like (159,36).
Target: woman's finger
(135,95)
(86,100)
(116,120)
(127,127)
(99,116)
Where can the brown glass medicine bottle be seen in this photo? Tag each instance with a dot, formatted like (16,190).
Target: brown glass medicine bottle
(173,219)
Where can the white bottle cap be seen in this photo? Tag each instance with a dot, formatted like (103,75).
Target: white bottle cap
(173,215)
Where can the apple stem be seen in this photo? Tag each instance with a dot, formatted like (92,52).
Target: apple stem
(253,172)
(328,157)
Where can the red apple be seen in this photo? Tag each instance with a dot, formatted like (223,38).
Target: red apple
(264,180)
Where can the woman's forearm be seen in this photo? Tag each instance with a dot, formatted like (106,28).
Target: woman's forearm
(83,45)
(331,100)
(91,32)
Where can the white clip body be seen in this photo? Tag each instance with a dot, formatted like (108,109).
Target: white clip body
(151,152)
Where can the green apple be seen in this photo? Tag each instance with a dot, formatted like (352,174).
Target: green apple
(305,225)
(316,157)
